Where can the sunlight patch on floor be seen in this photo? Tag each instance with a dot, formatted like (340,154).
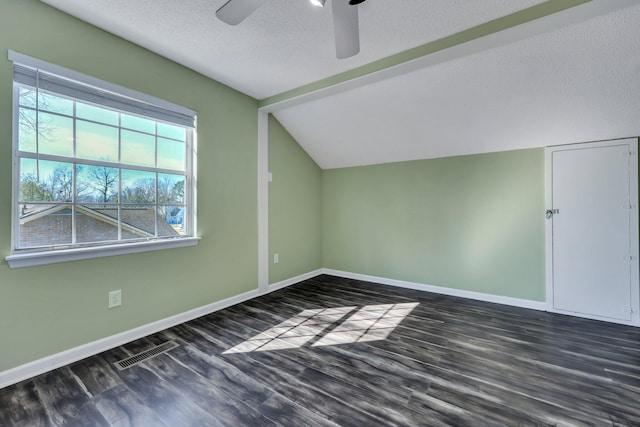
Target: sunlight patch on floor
(369,323)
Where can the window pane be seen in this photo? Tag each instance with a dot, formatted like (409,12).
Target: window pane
(170,189)
(171,154)
(96,114)
(172,221)
(56,134)
(44,225)
(138,123)
(171,131)
(138,222)
(88,174)
(138,149)
(96,223)
(97,184)
(138,187)
(27,97)
(31,189)
(27,126)
(55,183)
(96,142)
(55,104)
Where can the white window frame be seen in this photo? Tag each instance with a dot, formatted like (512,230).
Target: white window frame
(32,257)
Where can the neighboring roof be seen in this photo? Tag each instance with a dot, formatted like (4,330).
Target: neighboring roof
(138,220)
(141,218)
(33,212)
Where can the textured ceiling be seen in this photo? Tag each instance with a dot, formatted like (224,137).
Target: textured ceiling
(576,84)
(285,43)
(573,78)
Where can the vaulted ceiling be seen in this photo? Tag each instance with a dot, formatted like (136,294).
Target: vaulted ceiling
(433,78)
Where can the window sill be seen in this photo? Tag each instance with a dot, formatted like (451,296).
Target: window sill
(51,257)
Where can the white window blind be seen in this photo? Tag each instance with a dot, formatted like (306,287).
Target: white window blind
(37,75)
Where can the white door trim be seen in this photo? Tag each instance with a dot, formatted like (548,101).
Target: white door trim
(633,226)
(263,202)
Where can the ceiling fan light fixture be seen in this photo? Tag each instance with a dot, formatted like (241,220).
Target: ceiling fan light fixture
(319,3)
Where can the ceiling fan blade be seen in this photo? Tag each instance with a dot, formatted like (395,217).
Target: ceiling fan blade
(345,27)
(235,11)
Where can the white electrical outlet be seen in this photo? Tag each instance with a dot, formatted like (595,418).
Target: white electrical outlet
(276,258)
(115,298)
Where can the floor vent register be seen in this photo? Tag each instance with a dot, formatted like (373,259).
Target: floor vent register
(145,355)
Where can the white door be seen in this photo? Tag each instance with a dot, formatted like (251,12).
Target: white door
(594,233)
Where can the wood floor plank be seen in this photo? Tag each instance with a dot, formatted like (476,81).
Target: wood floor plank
(275,400)
(206,394)
(234,383)
(64,401)
(287,413)
(287,379)
(448,362)
(96,375)
(20,406)
(122,407)
(170,404)
(369,378)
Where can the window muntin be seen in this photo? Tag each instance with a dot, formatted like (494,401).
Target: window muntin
(90,174)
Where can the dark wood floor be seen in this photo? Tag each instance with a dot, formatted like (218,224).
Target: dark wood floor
(444,362)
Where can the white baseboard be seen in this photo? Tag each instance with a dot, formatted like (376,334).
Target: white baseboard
(294,280)
(58,360)
(516,302)
(49,363)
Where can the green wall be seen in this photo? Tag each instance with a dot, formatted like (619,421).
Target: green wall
(44,310)
(471,222)
(295,231)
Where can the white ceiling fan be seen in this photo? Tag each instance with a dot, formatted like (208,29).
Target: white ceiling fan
(345,20)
